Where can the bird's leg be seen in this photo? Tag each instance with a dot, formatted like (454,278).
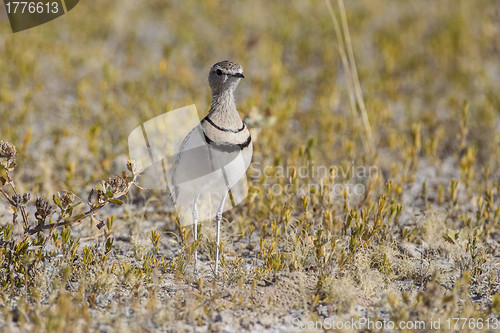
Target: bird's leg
(195,234)
(218,219)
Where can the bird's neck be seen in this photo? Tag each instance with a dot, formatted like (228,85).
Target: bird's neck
(223,110)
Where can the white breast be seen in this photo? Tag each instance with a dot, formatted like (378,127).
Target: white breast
(205,171)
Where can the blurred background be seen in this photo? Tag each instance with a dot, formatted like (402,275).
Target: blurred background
(73,89)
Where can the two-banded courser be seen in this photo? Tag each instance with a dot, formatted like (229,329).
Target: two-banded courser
(215,155)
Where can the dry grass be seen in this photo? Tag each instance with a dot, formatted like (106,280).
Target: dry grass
(419,243)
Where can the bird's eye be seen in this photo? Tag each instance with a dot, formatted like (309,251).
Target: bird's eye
(219,72)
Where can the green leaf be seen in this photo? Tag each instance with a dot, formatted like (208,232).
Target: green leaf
(56,200)
(76,218)
(116,201)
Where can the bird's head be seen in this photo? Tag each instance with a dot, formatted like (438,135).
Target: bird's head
(224,75)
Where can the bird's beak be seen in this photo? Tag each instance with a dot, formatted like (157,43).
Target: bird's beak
(241,76)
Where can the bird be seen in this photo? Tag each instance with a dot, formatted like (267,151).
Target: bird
(214,155)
